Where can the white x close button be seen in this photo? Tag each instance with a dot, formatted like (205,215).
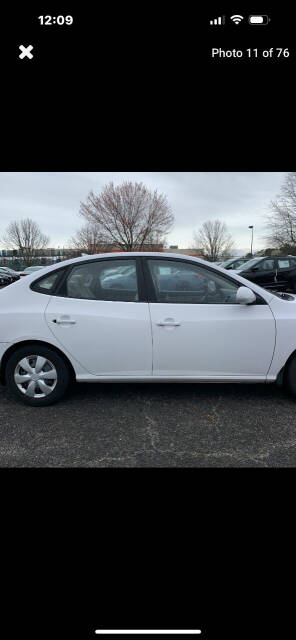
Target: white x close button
(26,52)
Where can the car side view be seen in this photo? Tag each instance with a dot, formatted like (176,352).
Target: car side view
(141,317)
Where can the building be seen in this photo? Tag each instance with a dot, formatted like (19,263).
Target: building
(13,257)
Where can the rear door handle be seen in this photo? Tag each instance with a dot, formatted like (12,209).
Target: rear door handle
(64,321)
(168,323)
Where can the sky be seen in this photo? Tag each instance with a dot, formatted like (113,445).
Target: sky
(52,200)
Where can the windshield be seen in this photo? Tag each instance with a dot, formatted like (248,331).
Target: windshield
(249,264)
(226,263)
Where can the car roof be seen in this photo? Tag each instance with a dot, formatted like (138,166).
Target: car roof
(271,257)
(126,254)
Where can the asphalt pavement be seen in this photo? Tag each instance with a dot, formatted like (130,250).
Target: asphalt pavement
(152,425)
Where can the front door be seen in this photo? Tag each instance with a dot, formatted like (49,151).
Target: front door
(100,320)
(264,273)
(201,331)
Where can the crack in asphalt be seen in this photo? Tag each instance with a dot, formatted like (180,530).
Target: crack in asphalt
(240,455)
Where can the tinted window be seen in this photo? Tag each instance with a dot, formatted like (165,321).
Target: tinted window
(114,280)
(47,283)
(265,265)
(187,283)
(237,264)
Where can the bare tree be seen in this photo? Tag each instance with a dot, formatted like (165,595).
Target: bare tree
(129,215)
(281,222)
(214,239)
(26,236)
(89,239)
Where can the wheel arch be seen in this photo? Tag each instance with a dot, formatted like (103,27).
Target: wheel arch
(281,376)
(23,343)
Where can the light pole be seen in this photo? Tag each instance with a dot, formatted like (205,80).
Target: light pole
(251,227)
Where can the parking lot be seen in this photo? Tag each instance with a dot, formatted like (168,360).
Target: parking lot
(146,425)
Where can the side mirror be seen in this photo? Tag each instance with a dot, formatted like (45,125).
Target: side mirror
(244,295)
(255,268)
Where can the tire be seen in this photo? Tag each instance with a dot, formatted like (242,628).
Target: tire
(290,376)
(54,375)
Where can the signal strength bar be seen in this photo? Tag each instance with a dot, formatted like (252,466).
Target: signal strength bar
(218,21)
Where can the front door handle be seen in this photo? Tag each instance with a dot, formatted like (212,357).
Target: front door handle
(169,322)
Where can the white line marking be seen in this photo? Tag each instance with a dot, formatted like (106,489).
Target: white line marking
(149,632)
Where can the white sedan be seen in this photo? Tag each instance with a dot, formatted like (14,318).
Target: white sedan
(70,322)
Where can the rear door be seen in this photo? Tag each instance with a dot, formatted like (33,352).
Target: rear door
(104,322)
(286,275)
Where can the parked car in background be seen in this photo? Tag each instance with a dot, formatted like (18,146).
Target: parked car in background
(115,274)
(69,324)
(178,279)
(5,279)
(276,272)
(10,273)
(233,263)
(29,270)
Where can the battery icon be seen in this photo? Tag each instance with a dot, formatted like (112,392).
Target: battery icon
(258,19)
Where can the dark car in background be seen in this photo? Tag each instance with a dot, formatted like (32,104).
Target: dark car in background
(10,273)
(232,263)
(4,280)
(274,272)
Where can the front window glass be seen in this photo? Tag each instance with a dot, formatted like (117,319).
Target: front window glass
(104,280)
(192,284)
(266,265)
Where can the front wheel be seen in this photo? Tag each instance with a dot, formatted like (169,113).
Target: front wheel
(290,376)
(37,375)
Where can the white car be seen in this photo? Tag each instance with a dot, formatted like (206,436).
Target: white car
(63,324)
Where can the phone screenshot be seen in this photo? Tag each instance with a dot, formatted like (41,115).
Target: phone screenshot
(147,320)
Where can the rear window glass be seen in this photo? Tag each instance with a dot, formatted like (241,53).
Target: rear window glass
(284,264)
(111,280)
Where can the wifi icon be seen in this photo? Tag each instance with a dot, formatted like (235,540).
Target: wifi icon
(236,19)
